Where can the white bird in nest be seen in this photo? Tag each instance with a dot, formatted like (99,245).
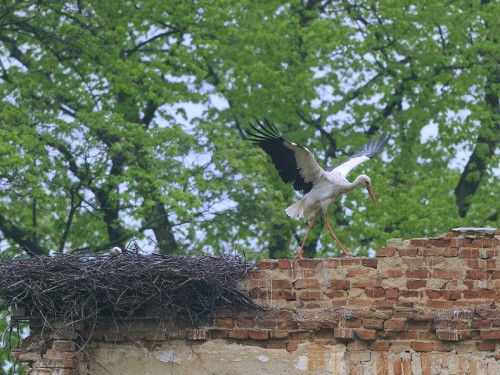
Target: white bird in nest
(116,251)
(296,165)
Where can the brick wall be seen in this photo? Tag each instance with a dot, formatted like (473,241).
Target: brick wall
(421,306)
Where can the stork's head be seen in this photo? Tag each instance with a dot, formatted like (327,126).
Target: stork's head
(367,182)
(116,251)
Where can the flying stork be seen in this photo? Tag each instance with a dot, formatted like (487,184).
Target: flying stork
(296,165)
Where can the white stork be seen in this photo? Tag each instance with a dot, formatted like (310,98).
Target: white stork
(296,165)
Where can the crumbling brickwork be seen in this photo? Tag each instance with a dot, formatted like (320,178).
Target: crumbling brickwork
(421,306)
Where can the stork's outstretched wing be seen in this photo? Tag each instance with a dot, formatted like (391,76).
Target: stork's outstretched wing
(367,152)
(295,163)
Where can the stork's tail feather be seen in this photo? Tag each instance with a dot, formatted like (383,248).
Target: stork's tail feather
(298,210)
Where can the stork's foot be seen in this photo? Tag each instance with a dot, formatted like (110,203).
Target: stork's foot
(299,254)
(346,253)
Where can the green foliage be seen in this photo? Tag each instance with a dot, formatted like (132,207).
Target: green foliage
(10,340)
(124,120)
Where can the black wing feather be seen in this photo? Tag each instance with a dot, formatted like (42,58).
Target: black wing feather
(268,137)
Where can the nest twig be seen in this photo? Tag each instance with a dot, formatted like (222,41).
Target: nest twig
(89,287)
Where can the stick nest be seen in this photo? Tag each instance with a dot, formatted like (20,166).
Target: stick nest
(86,288)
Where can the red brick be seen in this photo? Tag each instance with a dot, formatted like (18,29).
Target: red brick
(406,362)
(486,346)
(366,334)
(480,294)
(323,335)
(419,241)
(216,334)
(440,242)
(414,263)
(282,314)
(491,334)
(394,272)
(312,325)
(407,252)
(64,333)
(309,263)
(330,263)
(351,262)
(281,284)
(300,336)
(438,251)
(288,325)
(433,294)
(480,264)
(380,346)
(306,283)
(276,345)
(258,335)
(280,335)
(466,252)
(426,363)
(417,274)
(368,283)
(240,334)
(63,345)
(421,346)
(370,262)
(382,304)
(361,303)
(395,325)
(194,334)
(397,368)
(354,272)
(58,363)
(442,346)
(267,264)
(375,292)
(224,323)
(336,294)
(26,356)
(351,323)
(487,253)
(447,335)
(417,325)
(310,296)
(416,284)
(447,274)
(373,323)
(59,354)
(386,252)
(476,274)
(481,324)
(339,284)
(292,346)
(452,294)
(261,293)
(343,333)
(438,304)
(114,336)
(409,294)
(485,243)
(284,263)
(392,293)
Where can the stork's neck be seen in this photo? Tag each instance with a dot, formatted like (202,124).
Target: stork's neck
(361,179)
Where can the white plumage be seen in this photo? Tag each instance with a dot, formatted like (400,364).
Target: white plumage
(296,165)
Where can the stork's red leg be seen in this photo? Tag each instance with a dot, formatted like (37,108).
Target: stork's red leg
(346,253)
(299,253)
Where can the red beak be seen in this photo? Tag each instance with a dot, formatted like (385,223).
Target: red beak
(372,195)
